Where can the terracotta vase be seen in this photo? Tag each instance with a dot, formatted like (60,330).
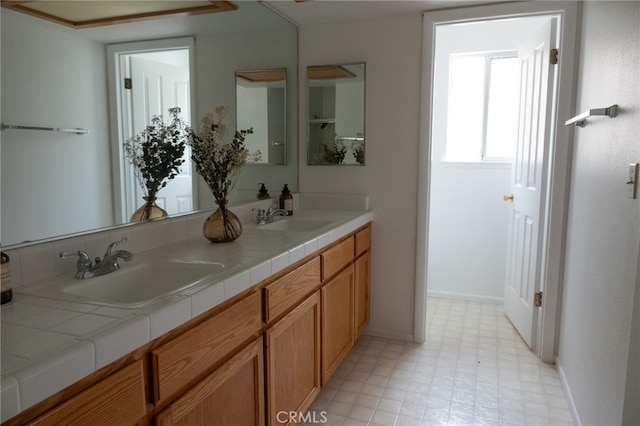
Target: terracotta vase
(222,226)
(150,210)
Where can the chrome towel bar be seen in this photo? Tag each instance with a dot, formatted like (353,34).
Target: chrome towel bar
(77,131)
(581,120)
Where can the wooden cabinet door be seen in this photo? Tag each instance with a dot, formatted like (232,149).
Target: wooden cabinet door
(293,361)
(232,395)
(362,289)
(120,398)
(337,321)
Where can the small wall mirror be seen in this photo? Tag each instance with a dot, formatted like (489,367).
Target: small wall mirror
(336,114)
(261,104)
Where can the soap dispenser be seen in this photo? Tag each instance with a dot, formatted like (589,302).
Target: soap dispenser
(286,200)
(7,290)
(263,194)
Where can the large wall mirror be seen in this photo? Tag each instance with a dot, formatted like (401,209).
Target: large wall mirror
(336,114)
(59,183)
(261,105)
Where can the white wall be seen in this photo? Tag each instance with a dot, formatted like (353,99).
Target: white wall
(254,114)
(217,59)
(469,221)
(597,349)
(44,85)
(391,48)
(631,414)
(468,231)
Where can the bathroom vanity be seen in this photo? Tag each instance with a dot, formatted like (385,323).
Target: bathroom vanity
(254,340)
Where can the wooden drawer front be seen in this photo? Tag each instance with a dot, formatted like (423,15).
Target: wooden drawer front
(288,291)
(337,257)
(194,352)
(120,398)
(232,395)
(363,240)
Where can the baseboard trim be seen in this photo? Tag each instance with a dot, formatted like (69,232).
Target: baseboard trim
(388,335)
(462,296)
(567,392)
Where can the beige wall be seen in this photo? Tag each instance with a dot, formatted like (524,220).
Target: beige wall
(603,225)
(391,48)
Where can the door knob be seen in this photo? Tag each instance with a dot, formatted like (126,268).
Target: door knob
(508,197)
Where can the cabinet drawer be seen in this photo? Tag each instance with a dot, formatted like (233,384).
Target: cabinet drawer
(193,353)
(337,257)
(363,240)
(288,291)
(120,396)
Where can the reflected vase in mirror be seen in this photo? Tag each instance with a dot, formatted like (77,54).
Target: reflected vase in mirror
(222,226)
(336,114)
(156,155)
(150,210)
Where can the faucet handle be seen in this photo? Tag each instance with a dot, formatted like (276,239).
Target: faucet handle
(261,214)
(83,265)
(82,255)
(113,245)
(272,208)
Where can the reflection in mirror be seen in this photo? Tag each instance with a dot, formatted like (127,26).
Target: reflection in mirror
(261,105)
(336,114)
(57,183)
(159,75)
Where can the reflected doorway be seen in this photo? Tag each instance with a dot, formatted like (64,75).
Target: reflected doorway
(151,78)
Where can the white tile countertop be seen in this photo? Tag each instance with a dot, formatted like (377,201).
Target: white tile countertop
(48,344)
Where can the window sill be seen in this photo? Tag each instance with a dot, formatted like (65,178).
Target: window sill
(473,164)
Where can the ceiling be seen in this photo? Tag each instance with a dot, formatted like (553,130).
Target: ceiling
(322,11)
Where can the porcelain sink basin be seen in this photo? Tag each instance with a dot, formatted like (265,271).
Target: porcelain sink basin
(295,225)
(134,285)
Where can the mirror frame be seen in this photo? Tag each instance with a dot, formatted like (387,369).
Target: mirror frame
(335,72)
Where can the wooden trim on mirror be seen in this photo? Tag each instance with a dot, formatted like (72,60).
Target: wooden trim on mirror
(261,76)
(328,72)
(112,13)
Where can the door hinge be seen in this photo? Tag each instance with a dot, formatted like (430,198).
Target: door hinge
(128,83)
(537,299)
(553,59)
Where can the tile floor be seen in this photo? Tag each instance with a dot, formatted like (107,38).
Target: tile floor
(473,369)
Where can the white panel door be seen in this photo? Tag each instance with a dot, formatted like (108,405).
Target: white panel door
(528,182)
(156,87)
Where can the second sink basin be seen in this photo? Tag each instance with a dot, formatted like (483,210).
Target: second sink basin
(295,225)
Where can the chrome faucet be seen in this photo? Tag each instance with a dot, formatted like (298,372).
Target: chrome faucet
(265,216)
(109,262)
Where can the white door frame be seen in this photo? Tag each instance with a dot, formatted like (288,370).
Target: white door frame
(559,151)
(119,131)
